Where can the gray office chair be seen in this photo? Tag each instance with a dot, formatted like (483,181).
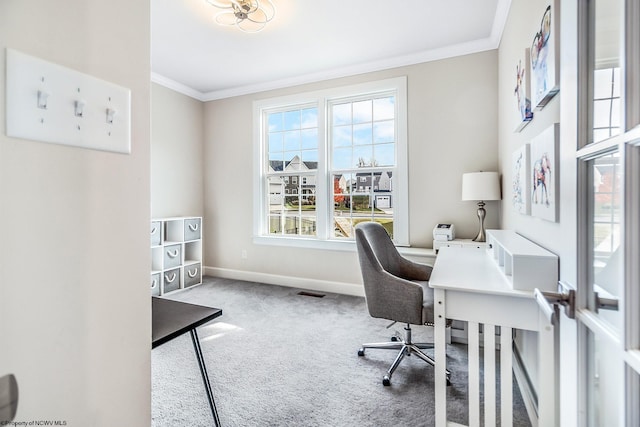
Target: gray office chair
(396,289)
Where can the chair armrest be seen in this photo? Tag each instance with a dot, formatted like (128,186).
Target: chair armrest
(397,299)
(414,270)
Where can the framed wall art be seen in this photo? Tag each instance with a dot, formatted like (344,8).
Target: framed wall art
(521,181)
(522,91)
(544,173)
(545,57)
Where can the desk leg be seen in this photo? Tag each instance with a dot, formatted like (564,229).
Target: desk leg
(548,410)
(205,376)
(440,352)
(473,354)
(489,351)
(506,376)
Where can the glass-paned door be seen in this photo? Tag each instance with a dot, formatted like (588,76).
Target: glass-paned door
(608,156)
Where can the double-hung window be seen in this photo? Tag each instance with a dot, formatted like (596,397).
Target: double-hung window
(328,160)
(290,168)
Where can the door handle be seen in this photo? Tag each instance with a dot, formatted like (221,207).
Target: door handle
(566,297)
(606,303)
(547,308)
(8,399)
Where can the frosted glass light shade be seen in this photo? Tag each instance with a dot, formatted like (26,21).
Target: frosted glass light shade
(481,186)
(250,16)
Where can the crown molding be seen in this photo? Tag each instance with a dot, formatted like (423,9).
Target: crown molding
(422,57)
(178,87)
(500,21)
(476,46)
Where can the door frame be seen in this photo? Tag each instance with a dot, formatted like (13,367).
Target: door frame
(627,144)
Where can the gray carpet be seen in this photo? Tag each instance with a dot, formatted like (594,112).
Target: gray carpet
(277,358)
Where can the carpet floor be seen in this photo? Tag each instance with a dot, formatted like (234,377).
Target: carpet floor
(278,358)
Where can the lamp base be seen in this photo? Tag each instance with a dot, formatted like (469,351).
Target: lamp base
(481,237)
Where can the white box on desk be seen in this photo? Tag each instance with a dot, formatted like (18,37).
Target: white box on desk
(457,243)
(526,264)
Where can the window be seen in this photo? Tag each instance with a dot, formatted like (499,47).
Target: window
(606,103)
(327,160)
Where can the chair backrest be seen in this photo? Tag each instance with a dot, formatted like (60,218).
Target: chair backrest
(388,295)
(373,241)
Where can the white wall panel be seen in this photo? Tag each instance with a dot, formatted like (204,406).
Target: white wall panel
(74,260)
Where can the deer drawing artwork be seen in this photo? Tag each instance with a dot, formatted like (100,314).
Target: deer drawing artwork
(541,179)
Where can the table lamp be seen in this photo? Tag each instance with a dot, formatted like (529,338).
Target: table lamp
(481,186)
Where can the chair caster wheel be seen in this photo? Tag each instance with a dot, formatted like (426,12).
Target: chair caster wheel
(386,381)
(361,352)
(394,338)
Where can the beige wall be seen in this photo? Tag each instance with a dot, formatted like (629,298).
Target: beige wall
(560,236)
(74,260)
(452,128)
(177,134)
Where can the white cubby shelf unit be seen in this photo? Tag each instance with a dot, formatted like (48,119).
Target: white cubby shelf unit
(525,264)
(176,254)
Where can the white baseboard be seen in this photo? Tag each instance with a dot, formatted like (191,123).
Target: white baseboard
(293,282)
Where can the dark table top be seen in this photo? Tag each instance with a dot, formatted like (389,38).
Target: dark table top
(173,318)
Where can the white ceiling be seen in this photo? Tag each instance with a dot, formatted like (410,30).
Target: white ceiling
(312,40)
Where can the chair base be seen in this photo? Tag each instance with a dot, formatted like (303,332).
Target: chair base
(407,348)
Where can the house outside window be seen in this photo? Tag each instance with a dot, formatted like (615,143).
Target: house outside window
(329,160)
(606,103)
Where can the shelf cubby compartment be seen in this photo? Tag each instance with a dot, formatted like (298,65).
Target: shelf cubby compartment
(192,251)
(192,274)
(171,280)
(156,283)
(156,258)
(156,233)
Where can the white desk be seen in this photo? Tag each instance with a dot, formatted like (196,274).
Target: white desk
(469,286)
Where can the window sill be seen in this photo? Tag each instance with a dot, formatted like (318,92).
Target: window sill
(417,252)
(335,245)
(301,242)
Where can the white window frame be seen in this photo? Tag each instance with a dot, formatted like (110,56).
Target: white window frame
(321,98)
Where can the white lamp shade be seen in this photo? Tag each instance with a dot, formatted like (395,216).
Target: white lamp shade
(481,186)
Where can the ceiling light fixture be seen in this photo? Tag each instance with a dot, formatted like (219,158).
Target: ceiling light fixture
(250,16)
